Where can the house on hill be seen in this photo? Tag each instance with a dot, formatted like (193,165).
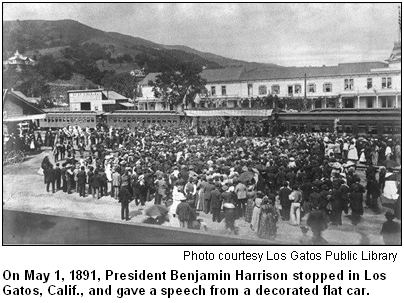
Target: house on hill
(18,62)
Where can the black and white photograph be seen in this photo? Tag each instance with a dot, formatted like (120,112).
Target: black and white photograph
(201,124)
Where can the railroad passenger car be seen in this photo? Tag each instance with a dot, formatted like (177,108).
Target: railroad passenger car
(58,119)
(124,118)
(373,122)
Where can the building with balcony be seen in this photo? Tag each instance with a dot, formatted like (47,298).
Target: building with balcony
(359,85)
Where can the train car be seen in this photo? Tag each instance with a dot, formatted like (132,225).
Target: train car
(60,119)
(131,118)
(374,122)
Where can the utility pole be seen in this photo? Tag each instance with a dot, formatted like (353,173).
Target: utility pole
(305,91)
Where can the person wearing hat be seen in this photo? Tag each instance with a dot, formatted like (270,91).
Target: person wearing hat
(183,212)
(356,204)
(69,178)
(241,192)
(50,177)
(284,193)
(209,187)
(161,187)
(63,174)
(58,176)
(391,231)
(216,203)
(81,182)
(124,198)
(317,221)
(116,183)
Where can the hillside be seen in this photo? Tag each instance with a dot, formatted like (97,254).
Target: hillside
(70,55)
(39,37)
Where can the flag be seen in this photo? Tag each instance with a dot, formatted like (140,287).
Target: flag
(186,94)
(197,99)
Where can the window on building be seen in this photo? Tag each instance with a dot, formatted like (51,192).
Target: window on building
(85,106)
(362,129)
(387,102)
(213,90)
(224,93)
(317,103)
(312,88)
(250,89)
(369,83)
(348,102)
(315,128)
(387,129)
(348,84)
(327,87)
(275,89)
(262,90)
(369,102)
(290,90)
(372,130)
(386,82)
(325,127)
(298,88)
(348,128)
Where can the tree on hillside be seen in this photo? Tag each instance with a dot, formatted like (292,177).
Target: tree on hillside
(179,85)
(123,84)
(33,85)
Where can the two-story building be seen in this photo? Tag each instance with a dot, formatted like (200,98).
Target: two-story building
(97,100)
(359,85)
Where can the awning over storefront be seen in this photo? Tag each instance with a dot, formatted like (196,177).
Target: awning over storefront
(25,118)
(229,112)
(127,104)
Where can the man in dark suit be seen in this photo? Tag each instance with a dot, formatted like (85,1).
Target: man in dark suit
(95,184)
(183,212)
(216,203)
(124,198)
(58,175)
(81,182)
(50,177)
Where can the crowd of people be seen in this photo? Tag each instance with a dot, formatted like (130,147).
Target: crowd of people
(229,176)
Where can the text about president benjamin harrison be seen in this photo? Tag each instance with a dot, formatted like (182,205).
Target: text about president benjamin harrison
(139,282)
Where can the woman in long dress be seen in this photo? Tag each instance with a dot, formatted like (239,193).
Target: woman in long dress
(201,194)
(268,218)
(256,213)
(352,152)
(251,195)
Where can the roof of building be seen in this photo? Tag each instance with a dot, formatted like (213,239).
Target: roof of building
(149,77)
(22,98)
(299,72)
(225,74)
(114,95)
(279,72)
(84,90)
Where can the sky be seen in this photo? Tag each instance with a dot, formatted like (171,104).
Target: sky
(288,34)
